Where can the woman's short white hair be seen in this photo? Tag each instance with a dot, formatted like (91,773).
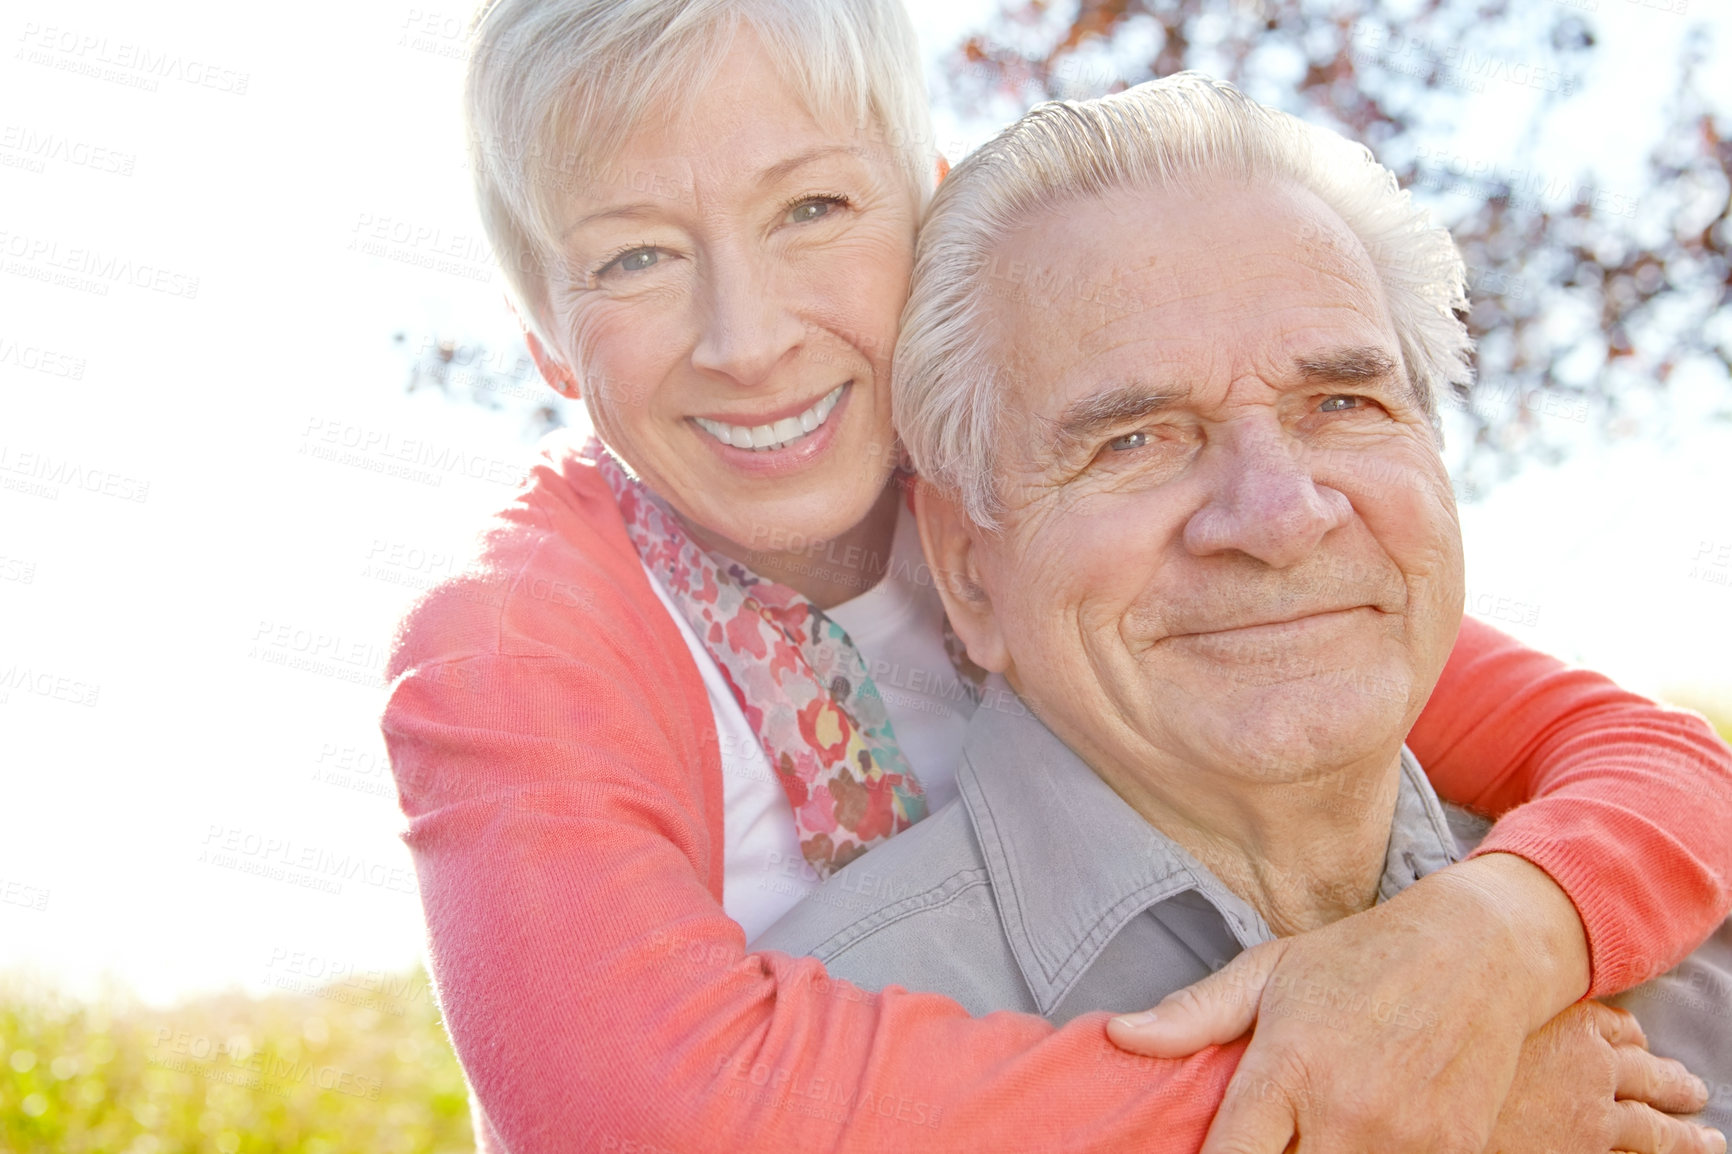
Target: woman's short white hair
(554,88)
(1162,134)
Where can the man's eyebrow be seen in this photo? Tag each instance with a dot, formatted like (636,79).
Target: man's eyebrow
(1085,419)
(1364,363)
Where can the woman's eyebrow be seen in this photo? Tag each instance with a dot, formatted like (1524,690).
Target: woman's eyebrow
(780,170)
(785,168)
(628,211)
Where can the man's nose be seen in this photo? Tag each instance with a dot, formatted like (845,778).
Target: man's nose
(1263,500)
(746,325)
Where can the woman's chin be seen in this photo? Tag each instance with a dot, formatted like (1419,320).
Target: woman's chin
(796,524)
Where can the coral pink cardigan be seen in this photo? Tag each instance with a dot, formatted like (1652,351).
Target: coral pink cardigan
(556,757)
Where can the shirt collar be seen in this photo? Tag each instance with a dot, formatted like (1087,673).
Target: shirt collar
(1071,863)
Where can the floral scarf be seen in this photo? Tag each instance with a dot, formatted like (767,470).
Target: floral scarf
(797,675)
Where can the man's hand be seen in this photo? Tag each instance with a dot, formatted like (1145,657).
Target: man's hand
(1397,1030)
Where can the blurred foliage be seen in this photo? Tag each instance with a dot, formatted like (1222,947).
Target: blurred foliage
(1585,302)
(332,1069)
(497,378)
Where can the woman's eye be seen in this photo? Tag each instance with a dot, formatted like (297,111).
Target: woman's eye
(813,208)
(1338,404)
(637,260)
(1129,441)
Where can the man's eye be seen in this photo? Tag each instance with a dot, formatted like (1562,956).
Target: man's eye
(1129,441)
(1339,404)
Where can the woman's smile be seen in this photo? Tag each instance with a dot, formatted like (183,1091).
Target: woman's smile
(772,432)
(774,448)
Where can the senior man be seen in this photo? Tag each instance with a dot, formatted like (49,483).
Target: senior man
(1168,374)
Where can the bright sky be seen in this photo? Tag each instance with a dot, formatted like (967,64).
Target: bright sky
(212,220)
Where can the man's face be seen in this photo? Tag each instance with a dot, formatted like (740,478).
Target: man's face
(1229,538)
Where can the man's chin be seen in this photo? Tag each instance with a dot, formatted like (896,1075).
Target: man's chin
(1290,718)
(1293,748)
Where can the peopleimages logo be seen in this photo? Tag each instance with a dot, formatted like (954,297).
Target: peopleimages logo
(46,683)
(344,442)
(121,61)
(45,474)
(89,269)
(35,149)
(309,866)
(37,359)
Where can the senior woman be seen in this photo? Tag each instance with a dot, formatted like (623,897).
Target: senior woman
(648,718)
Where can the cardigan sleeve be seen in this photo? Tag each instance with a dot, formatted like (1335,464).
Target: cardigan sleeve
(1625,804)
(600,999)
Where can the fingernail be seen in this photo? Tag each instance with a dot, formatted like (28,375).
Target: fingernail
(1136,1021)
(1716,1140)
(1701,1086)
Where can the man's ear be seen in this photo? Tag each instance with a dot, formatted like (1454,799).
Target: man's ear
(953,553)
(553,370)
(943,167)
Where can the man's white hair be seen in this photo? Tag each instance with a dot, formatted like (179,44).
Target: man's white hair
(1169,133)
(554,87)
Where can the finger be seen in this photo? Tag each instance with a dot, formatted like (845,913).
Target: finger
(1217,1009)
(1643,1130)
(1256,1117)
(1658,1082)
(1617,1026)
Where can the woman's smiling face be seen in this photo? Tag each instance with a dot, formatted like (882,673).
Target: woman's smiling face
(727,294)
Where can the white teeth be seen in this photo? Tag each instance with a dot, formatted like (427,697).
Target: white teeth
(779,435)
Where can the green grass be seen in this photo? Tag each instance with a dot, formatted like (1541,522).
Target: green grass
(332,1069)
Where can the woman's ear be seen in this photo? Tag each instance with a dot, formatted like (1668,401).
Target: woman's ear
(943,168)
(953,548)
(553,370)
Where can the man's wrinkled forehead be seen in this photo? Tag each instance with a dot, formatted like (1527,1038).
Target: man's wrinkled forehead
(1058,308)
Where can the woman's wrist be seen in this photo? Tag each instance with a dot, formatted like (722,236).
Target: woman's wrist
(1530,915)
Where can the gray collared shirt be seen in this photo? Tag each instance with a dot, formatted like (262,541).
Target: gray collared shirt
(1039,889)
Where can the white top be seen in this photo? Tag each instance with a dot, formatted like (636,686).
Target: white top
(898,626)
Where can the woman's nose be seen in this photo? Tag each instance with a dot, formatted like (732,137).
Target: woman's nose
(1263,500)
(747,327)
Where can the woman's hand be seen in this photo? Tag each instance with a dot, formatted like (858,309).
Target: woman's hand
(1399,1029)
(1586,1082)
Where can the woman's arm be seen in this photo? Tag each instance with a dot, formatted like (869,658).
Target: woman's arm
(600,999)
(1627,805)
